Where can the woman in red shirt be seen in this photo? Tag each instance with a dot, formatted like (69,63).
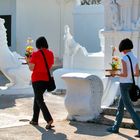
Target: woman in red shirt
(39,77)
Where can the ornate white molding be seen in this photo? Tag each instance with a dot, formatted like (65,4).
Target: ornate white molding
(90,2)
(64,1)
(125,14)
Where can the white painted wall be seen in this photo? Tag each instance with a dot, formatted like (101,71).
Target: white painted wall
(43,17)
(8,7)
(88,20)
(48,18)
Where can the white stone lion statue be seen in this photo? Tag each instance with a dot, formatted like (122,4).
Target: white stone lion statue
(10,64)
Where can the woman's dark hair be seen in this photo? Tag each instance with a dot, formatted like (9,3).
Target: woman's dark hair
(125,44)
(41,42)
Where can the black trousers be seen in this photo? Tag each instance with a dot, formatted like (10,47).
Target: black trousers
(39,88)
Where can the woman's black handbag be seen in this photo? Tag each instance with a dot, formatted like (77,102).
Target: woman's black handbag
(134,92)
(50,85)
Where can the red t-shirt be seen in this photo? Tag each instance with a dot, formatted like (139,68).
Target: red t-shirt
(40,71)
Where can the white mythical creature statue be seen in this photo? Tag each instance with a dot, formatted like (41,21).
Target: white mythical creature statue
(71,48)
(77,59)
(10,64)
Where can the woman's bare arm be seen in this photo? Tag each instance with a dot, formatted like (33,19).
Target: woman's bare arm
(137,72)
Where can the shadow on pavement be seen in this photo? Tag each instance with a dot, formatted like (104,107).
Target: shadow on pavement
(7,101)
(127,137)
(50,134)
(94,130)
(88,129)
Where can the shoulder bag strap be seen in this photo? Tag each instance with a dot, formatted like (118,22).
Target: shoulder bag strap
(47,67)
(131,69)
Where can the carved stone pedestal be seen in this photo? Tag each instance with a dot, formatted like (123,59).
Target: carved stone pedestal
(83,96)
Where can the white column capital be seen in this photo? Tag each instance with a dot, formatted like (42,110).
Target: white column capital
(125,2)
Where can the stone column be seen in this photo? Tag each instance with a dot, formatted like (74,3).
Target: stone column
(136,10)
(126,10)
(107,21)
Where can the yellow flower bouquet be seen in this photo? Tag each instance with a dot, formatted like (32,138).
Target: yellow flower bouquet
(115,64)
(29,48)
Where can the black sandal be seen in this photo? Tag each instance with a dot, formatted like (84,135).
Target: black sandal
(33,123)
(49,126)
(138,135)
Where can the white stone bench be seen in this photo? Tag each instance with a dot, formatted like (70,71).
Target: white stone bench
(83,96)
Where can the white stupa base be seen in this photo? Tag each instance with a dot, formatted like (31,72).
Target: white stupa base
(83,96)
(110,84)
(60,84)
